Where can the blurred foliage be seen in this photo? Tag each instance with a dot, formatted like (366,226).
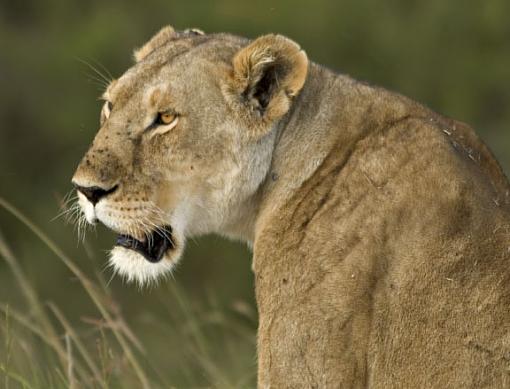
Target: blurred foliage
(453,56)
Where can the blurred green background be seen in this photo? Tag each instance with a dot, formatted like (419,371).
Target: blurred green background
(198,329)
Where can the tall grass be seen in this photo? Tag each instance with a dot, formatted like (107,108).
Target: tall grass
(42,348)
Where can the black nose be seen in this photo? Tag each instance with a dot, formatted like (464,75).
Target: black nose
(95,193)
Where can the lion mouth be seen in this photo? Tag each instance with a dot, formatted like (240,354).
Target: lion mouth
(153,248)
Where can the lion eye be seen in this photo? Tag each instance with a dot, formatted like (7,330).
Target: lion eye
(164,122)
(165,118)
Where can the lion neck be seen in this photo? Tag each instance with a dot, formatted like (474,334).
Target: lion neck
(330,115)
(298,145)
(304,139)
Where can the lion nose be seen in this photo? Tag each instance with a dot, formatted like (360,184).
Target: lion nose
(95,193)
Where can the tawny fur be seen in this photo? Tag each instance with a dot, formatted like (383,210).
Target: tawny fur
(380,229)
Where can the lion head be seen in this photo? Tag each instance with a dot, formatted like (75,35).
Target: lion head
(185,141)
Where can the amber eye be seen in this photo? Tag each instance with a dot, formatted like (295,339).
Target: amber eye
(165,118)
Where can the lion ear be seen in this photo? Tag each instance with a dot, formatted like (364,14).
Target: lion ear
(163,36)
(267,74)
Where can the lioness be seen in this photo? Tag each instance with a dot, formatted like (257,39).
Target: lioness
(380,230)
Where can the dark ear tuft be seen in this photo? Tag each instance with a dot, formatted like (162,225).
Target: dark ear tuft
(266,86)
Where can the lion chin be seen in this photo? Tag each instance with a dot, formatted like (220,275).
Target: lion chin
(134,267)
